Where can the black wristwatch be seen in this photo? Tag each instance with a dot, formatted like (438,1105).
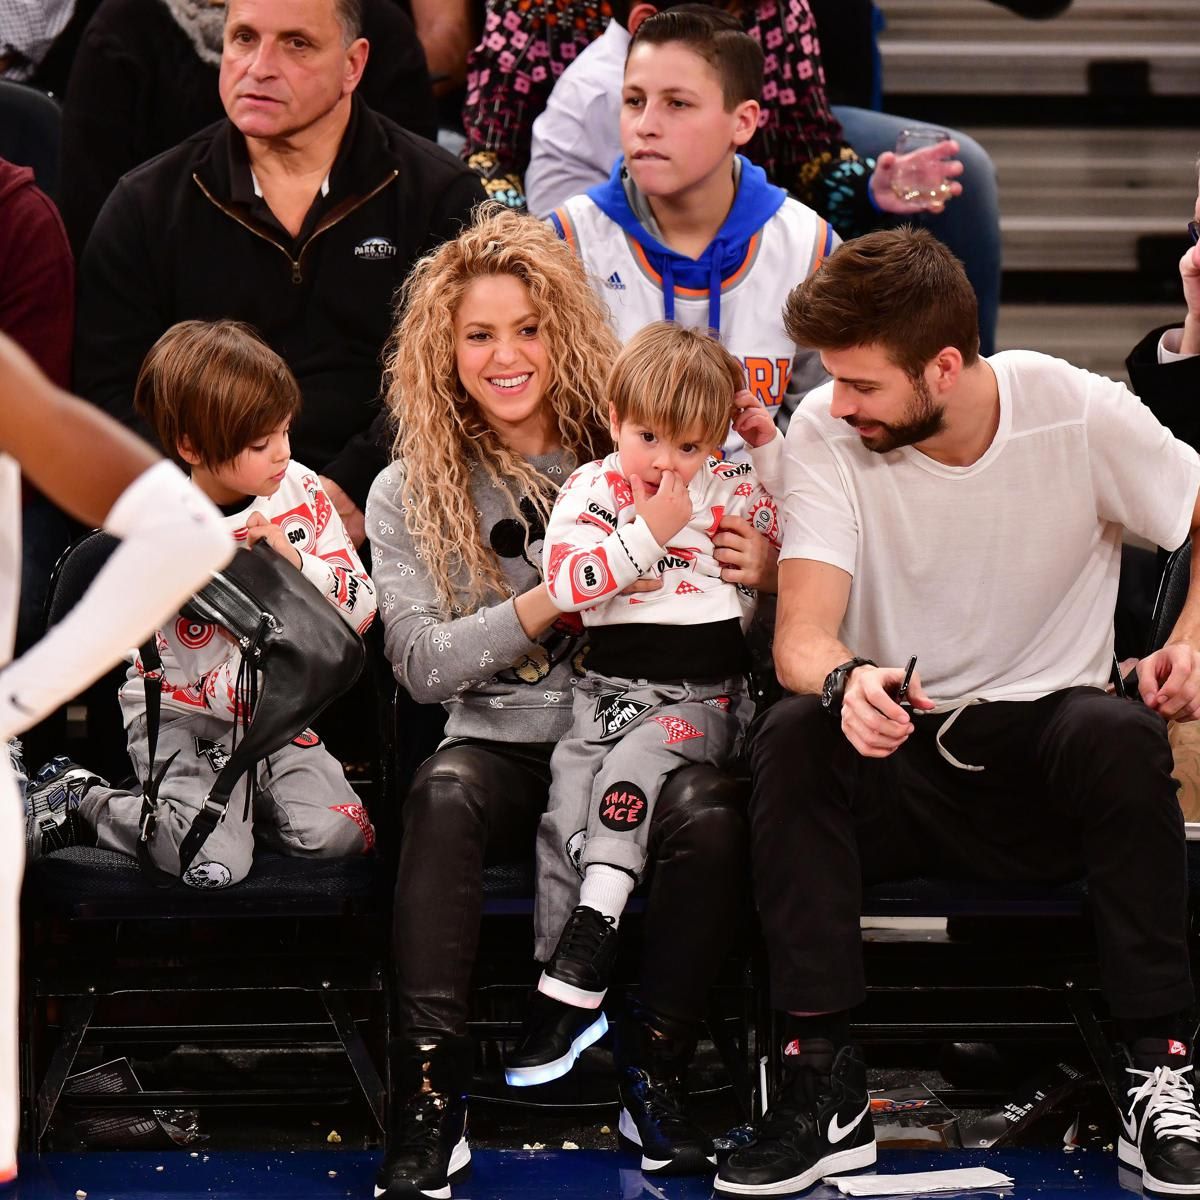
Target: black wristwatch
(834,687)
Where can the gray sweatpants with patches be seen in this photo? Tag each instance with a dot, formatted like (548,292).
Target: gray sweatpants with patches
(304,805)
(627,736)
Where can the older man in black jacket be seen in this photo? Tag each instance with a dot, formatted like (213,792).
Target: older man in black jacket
(1164,367)
(300,213)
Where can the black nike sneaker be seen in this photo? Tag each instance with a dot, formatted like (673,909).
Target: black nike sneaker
(554,1037)
(818,1125)
(427,1132)
(652,1053)
(579,969)
(1160,1122)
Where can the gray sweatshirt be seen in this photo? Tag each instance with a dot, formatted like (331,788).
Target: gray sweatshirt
(494,682)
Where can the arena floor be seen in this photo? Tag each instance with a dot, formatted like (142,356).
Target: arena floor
(508,1174)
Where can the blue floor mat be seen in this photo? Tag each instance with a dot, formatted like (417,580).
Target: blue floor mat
(504,1175)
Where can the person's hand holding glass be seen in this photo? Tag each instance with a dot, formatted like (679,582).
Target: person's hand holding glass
(921,175)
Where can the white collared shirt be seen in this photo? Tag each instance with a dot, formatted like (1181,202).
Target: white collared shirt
(1165,353)
(577,138)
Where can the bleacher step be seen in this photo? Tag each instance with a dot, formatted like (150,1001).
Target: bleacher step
(1080,199)
(1094,336)
(966,47)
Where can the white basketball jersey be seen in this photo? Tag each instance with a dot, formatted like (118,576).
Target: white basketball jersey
(786,250)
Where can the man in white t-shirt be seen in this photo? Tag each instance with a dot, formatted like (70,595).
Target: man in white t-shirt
(969,512)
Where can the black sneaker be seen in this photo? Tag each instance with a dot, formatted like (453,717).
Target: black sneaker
(819,1125)
(652,1053)
(427,1135)
(1160,1123)
(555,1035)
(578,971)
(52,820)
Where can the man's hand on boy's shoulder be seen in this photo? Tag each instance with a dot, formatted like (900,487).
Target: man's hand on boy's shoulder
(259,529)
(752,422)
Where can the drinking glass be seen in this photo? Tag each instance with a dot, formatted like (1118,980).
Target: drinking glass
(921,180)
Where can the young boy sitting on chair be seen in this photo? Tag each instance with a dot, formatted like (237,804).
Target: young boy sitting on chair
(664,684)
(220,402)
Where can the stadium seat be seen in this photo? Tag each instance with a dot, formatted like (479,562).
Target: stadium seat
(298,949)
(30,132)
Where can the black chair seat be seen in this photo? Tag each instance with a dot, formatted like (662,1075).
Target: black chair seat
(973,898)
(86,883)
(508,881)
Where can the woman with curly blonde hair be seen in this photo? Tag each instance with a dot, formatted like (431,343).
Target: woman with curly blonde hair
(442,436)
(496,378)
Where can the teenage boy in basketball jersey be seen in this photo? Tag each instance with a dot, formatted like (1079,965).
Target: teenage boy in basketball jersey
(686,229)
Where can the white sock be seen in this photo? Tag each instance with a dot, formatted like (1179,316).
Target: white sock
(606,889)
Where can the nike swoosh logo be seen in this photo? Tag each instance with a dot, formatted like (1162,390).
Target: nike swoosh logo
(836,1132)
(1130,1125)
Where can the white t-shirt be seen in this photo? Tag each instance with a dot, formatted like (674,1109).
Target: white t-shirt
(1001,576)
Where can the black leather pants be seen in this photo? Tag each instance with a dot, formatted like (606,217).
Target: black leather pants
(476,803)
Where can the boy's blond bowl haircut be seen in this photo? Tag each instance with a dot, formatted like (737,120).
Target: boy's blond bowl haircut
(441,436)
(676,381)
(218,384)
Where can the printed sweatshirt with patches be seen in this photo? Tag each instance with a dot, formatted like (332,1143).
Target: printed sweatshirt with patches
(597,544)
(200,663)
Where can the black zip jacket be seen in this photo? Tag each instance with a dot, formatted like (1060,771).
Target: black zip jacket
(139,87)
(1169,390)
(183,236)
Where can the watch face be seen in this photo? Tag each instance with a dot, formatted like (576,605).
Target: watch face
(827,690)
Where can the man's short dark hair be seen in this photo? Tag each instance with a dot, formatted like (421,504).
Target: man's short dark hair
(349,15)
(896,288)
(350,18)
(718,38)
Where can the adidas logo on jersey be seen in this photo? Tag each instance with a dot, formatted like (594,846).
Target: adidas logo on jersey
(614,282)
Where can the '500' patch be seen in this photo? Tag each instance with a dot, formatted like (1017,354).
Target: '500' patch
(590,576)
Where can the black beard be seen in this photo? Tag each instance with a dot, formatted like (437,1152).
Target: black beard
(922,419)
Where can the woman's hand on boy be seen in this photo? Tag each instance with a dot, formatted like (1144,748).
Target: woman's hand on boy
(643,583)
(353,519)
(746,557)
(668,510)
(259,529)
(751,421)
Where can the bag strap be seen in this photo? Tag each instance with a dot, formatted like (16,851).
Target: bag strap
(148,821)
(216,803)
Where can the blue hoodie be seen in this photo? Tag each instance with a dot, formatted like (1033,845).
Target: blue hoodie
(756,202)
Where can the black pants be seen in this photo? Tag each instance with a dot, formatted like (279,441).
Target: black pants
(476,803)
(1076,784)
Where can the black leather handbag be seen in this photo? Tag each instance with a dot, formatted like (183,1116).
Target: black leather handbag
(298,655)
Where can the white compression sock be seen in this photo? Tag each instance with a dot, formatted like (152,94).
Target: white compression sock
(606,889)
